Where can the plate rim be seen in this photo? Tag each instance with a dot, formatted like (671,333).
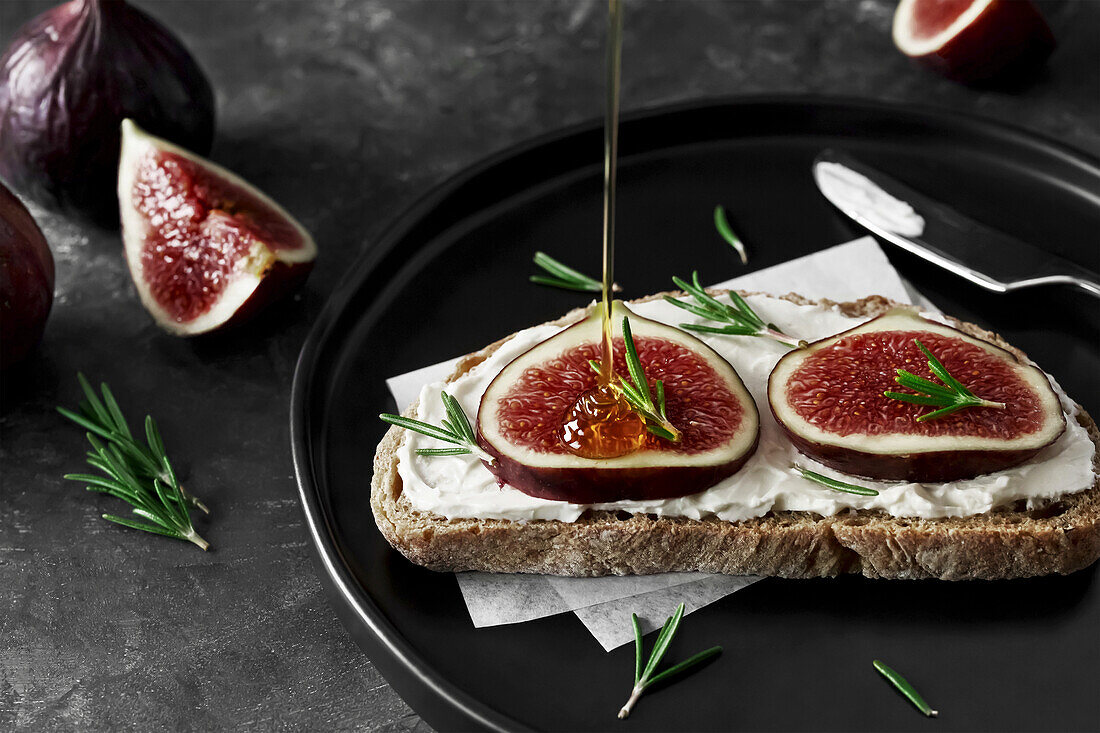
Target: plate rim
(336,576)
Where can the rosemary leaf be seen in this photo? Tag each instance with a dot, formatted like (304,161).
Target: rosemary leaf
(739,318)
(565,277)
(905,688)
(724,229)
(647,676)
(140,475)
(950,396)
(835,484)
(636,391)
(456,429)
(686,664)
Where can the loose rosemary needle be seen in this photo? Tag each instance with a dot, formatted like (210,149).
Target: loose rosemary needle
(726,231)
(905,688)
(565,277)
(140,475)
(950,396)
(833,483)
(648,676)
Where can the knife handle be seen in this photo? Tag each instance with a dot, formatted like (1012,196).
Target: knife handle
(1087,284)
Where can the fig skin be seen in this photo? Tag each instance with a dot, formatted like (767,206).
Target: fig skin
(1008,36)
(26,280)
(935,467)
(912,466)
(591,485)
(597,481)
(69,78)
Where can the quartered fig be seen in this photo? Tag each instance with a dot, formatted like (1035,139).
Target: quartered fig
(523,411)
(972,40)
(205,248)
(830,400)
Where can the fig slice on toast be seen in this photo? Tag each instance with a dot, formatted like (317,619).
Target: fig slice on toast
(522,412)
(830,400)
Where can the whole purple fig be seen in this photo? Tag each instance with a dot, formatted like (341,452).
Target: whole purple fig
(69,78)
(26,280)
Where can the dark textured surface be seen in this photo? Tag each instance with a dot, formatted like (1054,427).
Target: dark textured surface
(345,112)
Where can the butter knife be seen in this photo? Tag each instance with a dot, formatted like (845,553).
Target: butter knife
(939,234)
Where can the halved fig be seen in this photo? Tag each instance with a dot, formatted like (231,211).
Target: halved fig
(972,40)
(523,410)
(829,399)
(205,248)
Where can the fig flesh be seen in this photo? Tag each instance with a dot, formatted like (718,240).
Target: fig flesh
(829,399)
(523,410)
(26,280)
(69,78)
(205,248)
(972,40)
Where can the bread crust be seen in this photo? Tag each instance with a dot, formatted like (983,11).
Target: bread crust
(1009,542)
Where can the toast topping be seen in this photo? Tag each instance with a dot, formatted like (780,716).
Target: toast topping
(461,486)
(842,389)
(556,434)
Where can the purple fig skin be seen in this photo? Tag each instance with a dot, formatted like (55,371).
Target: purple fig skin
(937,467)
(1010,36)
(69,78)
(605,485)
(26,280)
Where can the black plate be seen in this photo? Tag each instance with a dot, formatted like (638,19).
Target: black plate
(451,276)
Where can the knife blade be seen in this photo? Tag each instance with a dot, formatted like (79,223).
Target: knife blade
(934,231)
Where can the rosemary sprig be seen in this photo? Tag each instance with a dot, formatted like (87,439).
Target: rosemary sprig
(833,483)
(456,429)
(565,277)
(723,227)
(139,475)
(636,391)
(951,396)
(905,688)
(644,678)
(740,318)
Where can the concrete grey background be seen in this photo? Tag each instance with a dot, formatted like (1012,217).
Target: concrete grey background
(344,112)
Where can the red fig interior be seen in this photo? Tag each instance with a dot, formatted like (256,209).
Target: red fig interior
(199,240)
(523,409)
(829,398)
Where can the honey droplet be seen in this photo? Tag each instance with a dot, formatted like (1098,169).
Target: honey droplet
(600,424)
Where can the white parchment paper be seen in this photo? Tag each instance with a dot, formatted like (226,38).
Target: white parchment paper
(845,272)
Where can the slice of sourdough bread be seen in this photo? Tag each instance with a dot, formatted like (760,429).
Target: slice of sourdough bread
(1009,542)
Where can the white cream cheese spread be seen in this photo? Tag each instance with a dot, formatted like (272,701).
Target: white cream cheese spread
(460,486)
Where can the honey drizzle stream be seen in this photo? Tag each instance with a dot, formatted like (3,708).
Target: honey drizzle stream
(610,160)
(600,424)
